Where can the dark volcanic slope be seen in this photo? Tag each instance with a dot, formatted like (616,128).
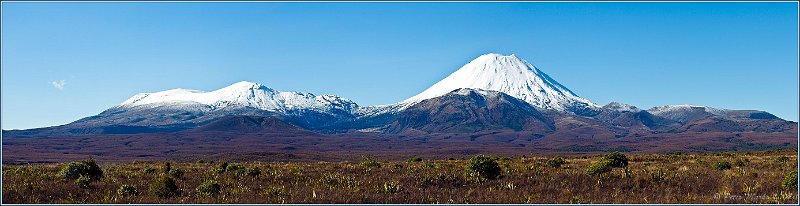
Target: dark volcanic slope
(470,110)
(249,124)
(286,146)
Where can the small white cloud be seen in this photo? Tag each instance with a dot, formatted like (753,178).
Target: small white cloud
(59,84)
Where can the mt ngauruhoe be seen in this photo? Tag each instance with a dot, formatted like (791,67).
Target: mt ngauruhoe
(491,92)
(510,75)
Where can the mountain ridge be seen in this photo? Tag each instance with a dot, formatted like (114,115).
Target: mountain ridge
(503,80)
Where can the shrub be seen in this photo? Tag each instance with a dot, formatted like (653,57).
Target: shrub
(164,187)
(234,167)
(253,171)
(397,166)
(149,170)
(615,159)
(176,173)
(599,167)
(208,188)
(790,180)
(556,162)
(415,159)
(722,165)
(83,168)
(127,191)
(391,187)
(83,181)
(220,168)
(368,161)
(740,162)
(726,154)
(167,167)
(482,166)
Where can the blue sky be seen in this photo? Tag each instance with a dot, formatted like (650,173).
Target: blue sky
(65,61)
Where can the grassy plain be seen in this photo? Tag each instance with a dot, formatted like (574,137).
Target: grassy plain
(756,177)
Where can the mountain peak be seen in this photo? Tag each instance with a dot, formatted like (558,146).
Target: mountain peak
(496,55)
(243,86)
(239,95)
(511,75)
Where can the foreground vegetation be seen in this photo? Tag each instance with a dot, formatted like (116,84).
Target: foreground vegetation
(761,177)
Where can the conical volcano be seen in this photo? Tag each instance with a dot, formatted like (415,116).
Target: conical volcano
(510,75)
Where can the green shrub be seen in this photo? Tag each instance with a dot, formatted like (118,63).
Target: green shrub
(556,162)
(415,159)
(234,167)
(397,166)
(164,187)
(368,161)
(391,187)
(599,167)
(208,188)
(790,180)
(722,165)
(176,173)
(607,162)
(149,170)
(253,171)
(220,168)
(83,181)
(167,167)
(726,154)
(83,168)
(740,162)
(483,167)
(127,191)
(615,159)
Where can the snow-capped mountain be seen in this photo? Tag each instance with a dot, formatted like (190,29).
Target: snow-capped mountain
(492,91)
(510,75)
(242,94)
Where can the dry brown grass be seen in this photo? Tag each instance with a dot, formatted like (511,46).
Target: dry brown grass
(686,178)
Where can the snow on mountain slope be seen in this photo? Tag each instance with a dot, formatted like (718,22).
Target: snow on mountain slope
(621,107)
(686,113)
(242,94)
(510,75)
